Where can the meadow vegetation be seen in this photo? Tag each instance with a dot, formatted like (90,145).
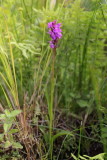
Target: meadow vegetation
(53,107)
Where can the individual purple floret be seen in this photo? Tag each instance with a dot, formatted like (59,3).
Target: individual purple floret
(55,33)
(51,44)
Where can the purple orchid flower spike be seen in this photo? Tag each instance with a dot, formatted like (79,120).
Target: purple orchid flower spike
(55,33)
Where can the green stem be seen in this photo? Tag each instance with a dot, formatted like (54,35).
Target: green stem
(52,102)
(79,142)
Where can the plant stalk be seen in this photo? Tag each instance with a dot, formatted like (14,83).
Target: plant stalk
(51,115)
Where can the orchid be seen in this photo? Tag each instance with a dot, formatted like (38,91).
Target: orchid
(55,33)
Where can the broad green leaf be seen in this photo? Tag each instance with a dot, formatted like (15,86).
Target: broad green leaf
(15,113)
(2,116)
(17,145)
(13,131)
(82,158)
(7,127)
(62,133)
(104,135)
(83,103)
(7,113)
(99,157)
(75,158)
(7,144)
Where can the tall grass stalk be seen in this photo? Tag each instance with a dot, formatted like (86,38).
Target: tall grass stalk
(82,73)
(10,78)
(52,4)
(13,67)
(96,87)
